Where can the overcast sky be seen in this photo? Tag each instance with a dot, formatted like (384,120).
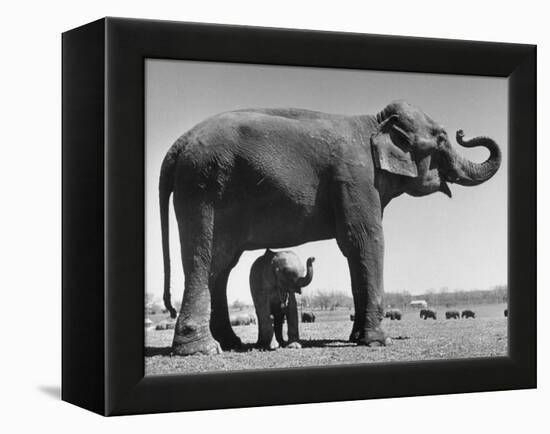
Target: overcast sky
(431,242)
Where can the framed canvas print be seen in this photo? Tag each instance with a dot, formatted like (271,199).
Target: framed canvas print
(263,216)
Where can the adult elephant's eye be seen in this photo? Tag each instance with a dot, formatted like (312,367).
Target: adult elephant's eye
(442,138)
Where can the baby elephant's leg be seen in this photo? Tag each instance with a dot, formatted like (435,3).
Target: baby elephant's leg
(265,326)
(278,318)
(292,322)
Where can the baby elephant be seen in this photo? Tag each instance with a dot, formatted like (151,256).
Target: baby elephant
(275,278)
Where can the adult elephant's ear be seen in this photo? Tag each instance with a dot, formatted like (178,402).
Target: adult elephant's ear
(391,151)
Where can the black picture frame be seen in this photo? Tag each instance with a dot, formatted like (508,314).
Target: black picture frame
(103,215)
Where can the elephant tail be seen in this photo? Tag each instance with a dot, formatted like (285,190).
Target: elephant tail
(166,186)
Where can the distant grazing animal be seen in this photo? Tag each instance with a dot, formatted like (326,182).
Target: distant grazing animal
(393,314)
(468,313)
(308,317)
(506,312)
(428,313)
(240,320)
(454,314)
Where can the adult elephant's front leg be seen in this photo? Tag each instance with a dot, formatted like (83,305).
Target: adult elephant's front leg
(363,245)
(358,329)
(360,237)
(367,268)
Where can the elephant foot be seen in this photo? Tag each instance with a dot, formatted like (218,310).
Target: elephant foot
(375,338)
(294,345)
(230,342)
(189,340)
(224,334)
(272,346)
(356,336)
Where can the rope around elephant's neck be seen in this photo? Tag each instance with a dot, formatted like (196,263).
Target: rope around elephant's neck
(283,298)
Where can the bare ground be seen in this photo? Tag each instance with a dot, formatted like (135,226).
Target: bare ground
(325,342)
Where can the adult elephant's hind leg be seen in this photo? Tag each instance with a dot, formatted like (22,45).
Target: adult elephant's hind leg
(192,332)
(220,325)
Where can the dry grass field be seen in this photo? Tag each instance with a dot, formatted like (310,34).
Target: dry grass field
(325,343)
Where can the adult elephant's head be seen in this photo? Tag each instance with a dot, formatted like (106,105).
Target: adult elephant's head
(409,143)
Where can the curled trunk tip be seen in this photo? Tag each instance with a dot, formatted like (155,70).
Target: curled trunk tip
(306,280)
(469,173)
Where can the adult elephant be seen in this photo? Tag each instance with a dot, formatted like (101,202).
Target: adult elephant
(275,278)
(260,178)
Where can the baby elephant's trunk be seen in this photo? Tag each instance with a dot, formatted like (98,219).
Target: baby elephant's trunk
(306,280)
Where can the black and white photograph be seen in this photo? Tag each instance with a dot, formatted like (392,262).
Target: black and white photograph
(275,217)
(302,217)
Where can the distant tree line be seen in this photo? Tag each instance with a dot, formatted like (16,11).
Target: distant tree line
(444,297)
(324,299)
(332,300)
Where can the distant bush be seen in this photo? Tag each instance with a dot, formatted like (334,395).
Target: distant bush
(239,305)
(326,300)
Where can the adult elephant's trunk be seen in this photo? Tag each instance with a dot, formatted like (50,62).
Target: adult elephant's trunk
(468,173)
(306,280)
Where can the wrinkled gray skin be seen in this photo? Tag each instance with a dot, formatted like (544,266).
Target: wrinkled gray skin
(275,278)
(277,178)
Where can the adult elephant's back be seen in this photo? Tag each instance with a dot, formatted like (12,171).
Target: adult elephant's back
(263,169)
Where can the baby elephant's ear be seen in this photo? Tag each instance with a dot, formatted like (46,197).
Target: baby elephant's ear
(389,148)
